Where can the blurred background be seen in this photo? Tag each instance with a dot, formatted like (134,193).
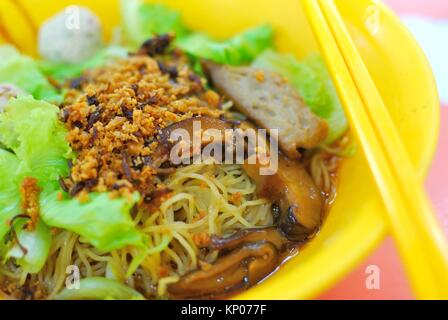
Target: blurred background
(428,22)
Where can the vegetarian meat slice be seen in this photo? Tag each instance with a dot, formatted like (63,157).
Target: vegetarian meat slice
(272,103)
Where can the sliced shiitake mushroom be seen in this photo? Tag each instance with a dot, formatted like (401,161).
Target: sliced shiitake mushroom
(242,267)
(299,200)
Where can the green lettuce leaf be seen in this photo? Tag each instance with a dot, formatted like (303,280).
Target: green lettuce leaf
(32,130)
(37,243)
(158,19)
(62,72)
(142,20)
(97,288)
(9,190)
(311,78)
(103,222)
(241,49)
(23,72)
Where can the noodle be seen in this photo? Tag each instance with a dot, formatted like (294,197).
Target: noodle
(323,164)
(200,206)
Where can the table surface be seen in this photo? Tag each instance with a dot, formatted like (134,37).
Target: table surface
(428,21)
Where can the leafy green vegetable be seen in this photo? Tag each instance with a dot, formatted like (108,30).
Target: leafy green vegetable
(312,80)
(23,72)
(9,189)
(103,222)
(37,244)
(32,130)
(62,72)
(159,19)
(141,21)
(99,288)
(240,49)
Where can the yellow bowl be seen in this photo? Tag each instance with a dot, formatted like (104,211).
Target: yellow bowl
(354,226)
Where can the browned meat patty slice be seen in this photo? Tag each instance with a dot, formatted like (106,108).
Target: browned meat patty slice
(272,103)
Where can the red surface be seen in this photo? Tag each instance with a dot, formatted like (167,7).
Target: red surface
(393,282)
